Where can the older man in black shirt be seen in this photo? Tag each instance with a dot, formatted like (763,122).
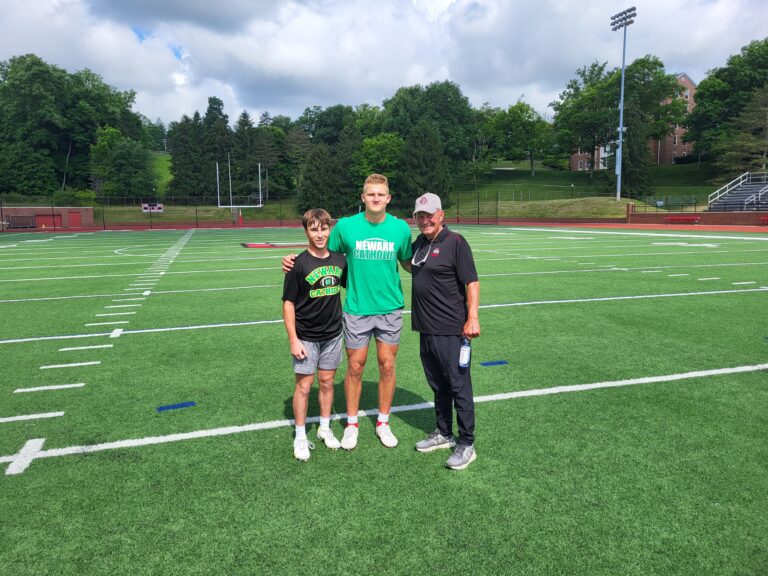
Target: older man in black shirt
(445,300)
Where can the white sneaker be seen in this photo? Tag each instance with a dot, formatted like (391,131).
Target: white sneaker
(384,432)
(301,449)
(349,440)
(326,435)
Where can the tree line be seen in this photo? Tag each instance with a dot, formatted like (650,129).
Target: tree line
(70,131)
(63,131)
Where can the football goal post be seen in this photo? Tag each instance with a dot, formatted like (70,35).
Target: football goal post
(236,202)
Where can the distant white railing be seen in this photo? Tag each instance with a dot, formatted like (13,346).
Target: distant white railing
(720,192)
(746,178)
(757,197)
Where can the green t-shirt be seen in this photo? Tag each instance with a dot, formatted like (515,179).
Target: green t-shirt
(372,251)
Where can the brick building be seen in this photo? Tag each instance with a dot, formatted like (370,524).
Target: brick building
(580,161)
(672,147)
(665,152)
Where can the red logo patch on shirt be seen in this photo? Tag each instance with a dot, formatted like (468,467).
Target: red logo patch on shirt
(436,252)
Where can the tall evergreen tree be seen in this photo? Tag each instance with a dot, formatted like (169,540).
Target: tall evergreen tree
(348,186)
(743,145)
(244,162)
(218,144)
(423,166)
(319,186)
(298,147)
(186,144)
(266,154)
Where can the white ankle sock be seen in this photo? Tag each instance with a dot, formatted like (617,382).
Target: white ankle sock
(352,420)
(301,432)
(384,418)
(325,423)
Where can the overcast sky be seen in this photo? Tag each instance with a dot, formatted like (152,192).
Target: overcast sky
(285,56)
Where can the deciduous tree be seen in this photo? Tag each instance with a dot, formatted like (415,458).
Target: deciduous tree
(724,93)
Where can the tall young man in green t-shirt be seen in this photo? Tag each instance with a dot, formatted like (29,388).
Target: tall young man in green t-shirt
(373,242)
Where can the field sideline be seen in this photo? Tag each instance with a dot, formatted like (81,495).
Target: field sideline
(621,415)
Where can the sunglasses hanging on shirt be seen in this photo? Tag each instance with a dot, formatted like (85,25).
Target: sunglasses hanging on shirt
(418,257)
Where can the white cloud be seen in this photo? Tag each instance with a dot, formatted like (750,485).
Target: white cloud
(284,56)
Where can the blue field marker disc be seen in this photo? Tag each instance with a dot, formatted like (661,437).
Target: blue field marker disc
(176,406)
(494,363)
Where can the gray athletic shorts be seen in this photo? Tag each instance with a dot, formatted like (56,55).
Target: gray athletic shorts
(325,355)
(385,328)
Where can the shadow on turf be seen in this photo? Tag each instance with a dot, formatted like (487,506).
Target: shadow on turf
(423,420)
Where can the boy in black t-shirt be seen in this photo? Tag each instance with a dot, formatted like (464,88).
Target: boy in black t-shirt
(313,320)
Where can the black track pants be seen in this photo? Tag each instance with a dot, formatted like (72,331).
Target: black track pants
(452,385)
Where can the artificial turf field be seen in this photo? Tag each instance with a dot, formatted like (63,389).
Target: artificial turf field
(661,467)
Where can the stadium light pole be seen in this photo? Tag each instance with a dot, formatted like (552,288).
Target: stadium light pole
(618,21)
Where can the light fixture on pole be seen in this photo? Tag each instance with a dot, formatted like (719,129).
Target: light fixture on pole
(621,20)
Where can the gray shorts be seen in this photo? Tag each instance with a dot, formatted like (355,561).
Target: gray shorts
(325,355)
(385,328)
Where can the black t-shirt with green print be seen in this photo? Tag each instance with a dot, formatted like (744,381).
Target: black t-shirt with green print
(314,286)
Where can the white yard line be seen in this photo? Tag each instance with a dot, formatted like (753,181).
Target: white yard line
(44,338)
(47,388)
(124,306)
(107,323)
(115,314)
(636,297)
(31,417)
(92,265)
(484,306)
(37,259)
(96,347)
(73,365)
(518,256)
(647,234)
(623,269)
(21,460)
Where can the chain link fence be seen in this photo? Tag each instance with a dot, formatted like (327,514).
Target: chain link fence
(487,204)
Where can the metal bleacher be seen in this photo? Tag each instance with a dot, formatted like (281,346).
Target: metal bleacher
(748,192)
